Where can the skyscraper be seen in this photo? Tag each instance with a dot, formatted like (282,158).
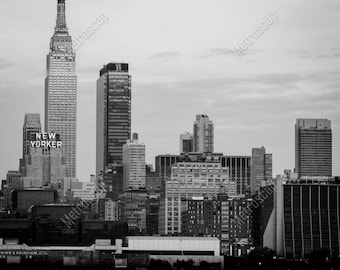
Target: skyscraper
(261,168)
(31,126)
(203,134)
(313,147)
(113,114)
(186,142)
(134,164)
(61,90)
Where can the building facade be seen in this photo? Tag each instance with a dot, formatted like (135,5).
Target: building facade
(44,167)
(313,147)
(61,90)
(203,134)
(261,168)
(113,114)
(191,179)
(236,224)
(304,216)
(112,181)
(186,143)
(32,125)
(134,164)
(240,172)
(132,209)
(84,191)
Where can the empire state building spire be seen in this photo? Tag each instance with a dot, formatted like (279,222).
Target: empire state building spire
(61,90)
(61,17)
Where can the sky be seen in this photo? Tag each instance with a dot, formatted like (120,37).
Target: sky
(182,64)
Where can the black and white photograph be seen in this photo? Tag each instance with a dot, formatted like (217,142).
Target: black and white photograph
(170,134)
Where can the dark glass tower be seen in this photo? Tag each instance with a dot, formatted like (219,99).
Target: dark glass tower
(113,114)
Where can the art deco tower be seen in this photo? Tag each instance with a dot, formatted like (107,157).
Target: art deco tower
(31,126)
(61,90)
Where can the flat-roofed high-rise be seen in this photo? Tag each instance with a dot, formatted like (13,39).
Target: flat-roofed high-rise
(203,134)
(113,114)
(61,90)
(313,147)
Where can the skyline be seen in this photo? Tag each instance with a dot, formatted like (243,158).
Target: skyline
(297,86)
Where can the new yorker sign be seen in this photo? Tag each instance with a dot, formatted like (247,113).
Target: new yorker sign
(46,140)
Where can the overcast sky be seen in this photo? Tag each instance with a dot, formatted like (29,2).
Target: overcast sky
(180,58)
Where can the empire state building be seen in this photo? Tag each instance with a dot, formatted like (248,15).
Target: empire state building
(61,90)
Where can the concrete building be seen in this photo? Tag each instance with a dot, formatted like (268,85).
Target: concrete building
(13,179)
(134,164)
(152,209)
(186,143)
(261,168)
(132,209)
(153,182)
(112,181)
(84,191)
(163,165)
(107,209)
(203,134)
(313,147)
(113,114)
(236,224)
(200,217)
(191,179)
(240,172)
(111,210)
(61,90)
(224,217)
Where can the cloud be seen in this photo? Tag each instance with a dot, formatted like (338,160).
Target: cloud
(164,55)
(226,52)
(4,63)
(326,54)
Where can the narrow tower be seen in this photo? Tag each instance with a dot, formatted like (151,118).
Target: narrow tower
(61,90)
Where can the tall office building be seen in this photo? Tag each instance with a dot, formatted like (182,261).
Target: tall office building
(31,126)
(203,134)
(261,168)
(313,147)
(113,114)
(300,216)
(186,143)
(134,164)
(61,90)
